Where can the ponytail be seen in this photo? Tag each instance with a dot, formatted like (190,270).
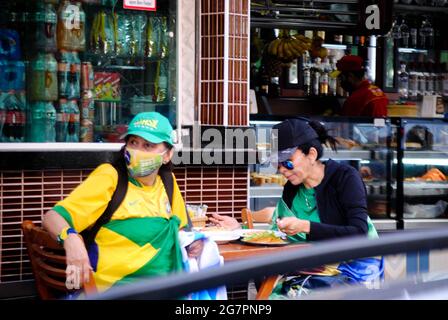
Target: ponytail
(324,137)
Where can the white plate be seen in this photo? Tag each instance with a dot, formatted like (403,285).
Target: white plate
(222,236)
(243,232)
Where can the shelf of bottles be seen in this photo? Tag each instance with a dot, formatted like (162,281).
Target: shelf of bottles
(311,72)
(422,46)
(421,5)
(77,71)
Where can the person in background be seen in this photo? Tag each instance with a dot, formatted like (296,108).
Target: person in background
(141,239)
(321,200)
(366,99)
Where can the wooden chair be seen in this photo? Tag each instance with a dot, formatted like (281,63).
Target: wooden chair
(262,216)
(267,285)
(48,263)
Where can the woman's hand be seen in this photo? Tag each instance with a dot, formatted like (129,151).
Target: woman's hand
(77,258)
(194,250)
(292,225)
(225,221)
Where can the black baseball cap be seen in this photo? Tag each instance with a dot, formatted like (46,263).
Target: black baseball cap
(288,135)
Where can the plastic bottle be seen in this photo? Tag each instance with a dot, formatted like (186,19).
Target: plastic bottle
(404,30)
(315,77)
(395,32)
(45,20)
(71,27)
(73,122)
(14,127)
(162,81)
(42,122)
(421,80)
(306,73)
(19,82)
(10,40)
(12,75)
(64,24)
(403,82)
(413,33)
(62,116)
(426,34)
(324,79)
(75,76)
(22,104)
(64,74)
(81,32)
(2,116)
(86,131)
(413,82)
(332,81)
(43,84)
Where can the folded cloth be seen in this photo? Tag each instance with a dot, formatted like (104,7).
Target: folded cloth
(209,258)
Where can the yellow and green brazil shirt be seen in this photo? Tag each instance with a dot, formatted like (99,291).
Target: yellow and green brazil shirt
(140,240)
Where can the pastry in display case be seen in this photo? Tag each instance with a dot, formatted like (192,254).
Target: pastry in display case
(425,169)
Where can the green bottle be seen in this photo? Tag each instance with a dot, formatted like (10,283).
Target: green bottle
(42,122)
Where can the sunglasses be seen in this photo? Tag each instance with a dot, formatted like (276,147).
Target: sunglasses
(287,164)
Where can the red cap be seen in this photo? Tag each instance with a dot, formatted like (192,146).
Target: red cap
(350,63)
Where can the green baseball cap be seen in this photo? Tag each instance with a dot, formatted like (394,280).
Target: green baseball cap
(151,126)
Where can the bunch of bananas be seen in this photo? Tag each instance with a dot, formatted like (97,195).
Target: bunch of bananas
(317,49)
(287,47)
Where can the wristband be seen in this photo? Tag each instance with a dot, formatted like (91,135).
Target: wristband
(64,234)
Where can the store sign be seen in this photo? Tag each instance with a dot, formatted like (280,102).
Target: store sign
(375,16)
(147,5)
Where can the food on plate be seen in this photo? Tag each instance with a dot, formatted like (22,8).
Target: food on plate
(433,174)
(263,237)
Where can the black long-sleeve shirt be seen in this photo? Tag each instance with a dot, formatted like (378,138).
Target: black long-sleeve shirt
(341,200)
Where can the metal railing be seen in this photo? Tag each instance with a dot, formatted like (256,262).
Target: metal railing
(321,253)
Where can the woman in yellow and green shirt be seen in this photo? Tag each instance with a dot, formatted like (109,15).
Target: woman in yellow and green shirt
(141,238)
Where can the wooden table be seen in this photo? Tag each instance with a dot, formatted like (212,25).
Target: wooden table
(237,251)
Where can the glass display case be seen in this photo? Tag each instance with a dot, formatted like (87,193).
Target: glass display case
(363,143)
(403,163)
(421,162)
(78,71)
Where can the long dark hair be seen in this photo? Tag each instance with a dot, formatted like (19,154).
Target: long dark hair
(167,167)
(323,139)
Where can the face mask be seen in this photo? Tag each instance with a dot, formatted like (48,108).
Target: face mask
(142,163)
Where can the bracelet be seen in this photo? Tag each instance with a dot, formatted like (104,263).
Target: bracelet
(64,234)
